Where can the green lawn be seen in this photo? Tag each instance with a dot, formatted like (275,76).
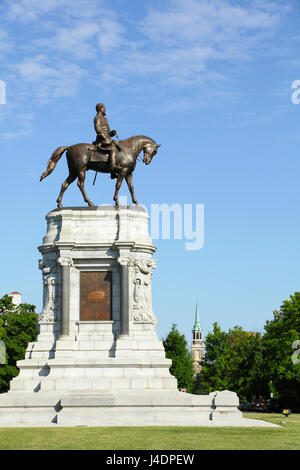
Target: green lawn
(157,438)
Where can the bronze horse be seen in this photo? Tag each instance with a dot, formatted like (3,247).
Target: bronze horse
(80,159)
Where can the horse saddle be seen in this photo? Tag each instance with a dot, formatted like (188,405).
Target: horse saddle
(102,155)
(99,156)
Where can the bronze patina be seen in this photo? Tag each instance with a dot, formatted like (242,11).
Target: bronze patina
(95,295)
(105,156)
(104,138)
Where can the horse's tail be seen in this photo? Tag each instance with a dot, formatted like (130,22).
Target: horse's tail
(56,155)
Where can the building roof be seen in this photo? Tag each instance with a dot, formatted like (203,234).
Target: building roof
(197,326)
(14,293)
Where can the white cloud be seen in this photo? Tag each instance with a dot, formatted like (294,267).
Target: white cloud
(187,44)
(23,125)
(50,81)
(77,41)
(178,45)
(6,43)
(29,10)
(84,39)
(33,10)
(34,69)
(111,35)
(214,23)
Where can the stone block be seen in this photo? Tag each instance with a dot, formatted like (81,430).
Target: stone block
(113,372)
(155,382)
(101,383)
(66,383)
(162,372)
(95,372)
(120,383)
(74,372)
(130,371)
(48,384)
(139,383)
(170,383)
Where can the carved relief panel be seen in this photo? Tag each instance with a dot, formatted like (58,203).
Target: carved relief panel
(49,270)
(142,290)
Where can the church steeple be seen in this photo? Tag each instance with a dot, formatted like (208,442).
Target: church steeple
(197,348)
(197,326)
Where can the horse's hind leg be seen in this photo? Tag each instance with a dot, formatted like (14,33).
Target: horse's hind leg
(80,183)
(64,186)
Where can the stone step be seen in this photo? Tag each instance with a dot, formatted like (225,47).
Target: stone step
(111,383)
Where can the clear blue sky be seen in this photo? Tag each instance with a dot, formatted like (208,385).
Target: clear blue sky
(210,81)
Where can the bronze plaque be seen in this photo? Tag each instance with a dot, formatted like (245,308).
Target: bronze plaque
(95,295)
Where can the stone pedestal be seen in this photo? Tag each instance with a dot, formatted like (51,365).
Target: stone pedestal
(97,263)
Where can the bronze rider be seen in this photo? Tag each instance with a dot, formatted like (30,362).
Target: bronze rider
(103,140)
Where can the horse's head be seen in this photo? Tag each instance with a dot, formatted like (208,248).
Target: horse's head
(150,149)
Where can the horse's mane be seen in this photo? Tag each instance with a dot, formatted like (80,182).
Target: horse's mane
(131,141)
(134,137)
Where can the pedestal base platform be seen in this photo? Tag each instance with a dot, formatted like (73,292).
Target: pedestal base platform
(122,408)
(97,360)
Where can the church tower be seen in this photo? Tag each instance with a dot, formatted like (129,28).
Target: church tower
(197,348)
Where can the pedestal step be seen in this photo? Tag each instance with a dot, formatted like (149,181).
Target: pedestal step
(93,374)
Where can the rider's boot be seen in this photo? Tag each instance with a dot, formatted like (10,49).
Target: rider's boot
(114,167)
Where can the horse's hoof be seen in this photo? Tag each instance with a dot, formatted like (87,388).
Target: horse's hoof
(91,204)
(59,206)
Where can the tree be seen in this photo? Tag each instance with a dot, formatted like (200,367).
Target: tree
(280,334)
(18,326)
(233,361)
(245,364)
(182,365)
(211,376)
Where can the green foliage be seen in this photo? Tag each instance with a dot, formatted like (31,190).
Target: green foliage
(250,364)
(215,344)
(233,361)
(18,326)
(280,333)
(182,365)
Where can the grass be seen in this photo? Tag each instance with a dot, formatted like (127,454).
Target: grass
(158,438)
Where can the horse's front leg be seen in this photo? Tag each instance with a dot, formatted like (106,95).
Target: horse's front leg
(118,185)
(130,187)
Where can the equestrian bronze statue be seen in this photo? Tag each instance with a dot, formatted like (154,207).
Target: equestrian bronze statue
(104,156)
